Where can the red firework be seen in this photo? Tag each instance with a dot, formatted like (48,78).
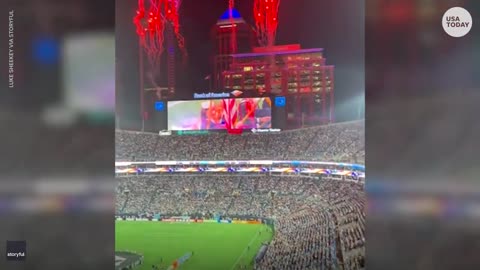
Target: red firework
(265,13)
(172,16)
(150,28)
(151,19)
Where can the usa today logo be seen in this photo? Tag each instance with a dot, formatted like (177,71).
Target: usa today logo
(457,22)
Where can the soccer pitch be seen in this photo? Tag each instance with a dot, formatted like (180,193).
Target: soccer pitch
(215,246)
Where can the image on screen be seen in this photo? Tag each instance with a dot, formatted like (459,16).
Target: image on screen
(89,87)
(220,114)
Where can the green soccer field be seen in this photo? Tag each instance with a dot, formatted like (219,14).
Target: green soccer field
(215,246)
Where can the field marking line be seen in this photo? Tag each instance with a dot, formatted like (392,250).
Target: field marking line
(246,248)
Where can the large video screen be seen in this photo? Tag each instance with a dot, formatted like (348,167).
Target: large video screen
(89,72)
(218,114)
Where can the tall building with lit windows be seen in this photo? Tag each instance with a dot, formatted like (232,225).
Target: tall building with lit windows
(302,75)
(230,36)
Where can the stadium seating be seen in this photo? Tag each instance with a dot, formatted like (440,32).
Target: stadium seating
(324,219)
(319,222)
(339,142)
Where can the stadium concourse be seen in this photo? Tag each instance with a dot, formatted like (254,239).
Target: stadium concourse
(319,222)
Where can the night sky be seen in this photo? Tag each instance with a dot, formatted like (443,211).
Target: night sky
(336,26)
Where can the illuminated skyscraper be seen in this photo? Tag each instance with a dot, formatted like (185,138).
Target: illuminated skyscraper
(301,75)
(231,35)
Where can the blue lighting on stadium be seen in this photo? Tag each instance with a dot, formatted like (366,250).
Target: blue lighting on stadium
(45,50)
(160,106)
(280,101)
(357,167)
(235,14)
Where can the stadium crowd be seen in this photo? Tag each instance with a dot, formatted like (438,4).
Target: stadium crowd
(322,218)
(343,142)
(319,223)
